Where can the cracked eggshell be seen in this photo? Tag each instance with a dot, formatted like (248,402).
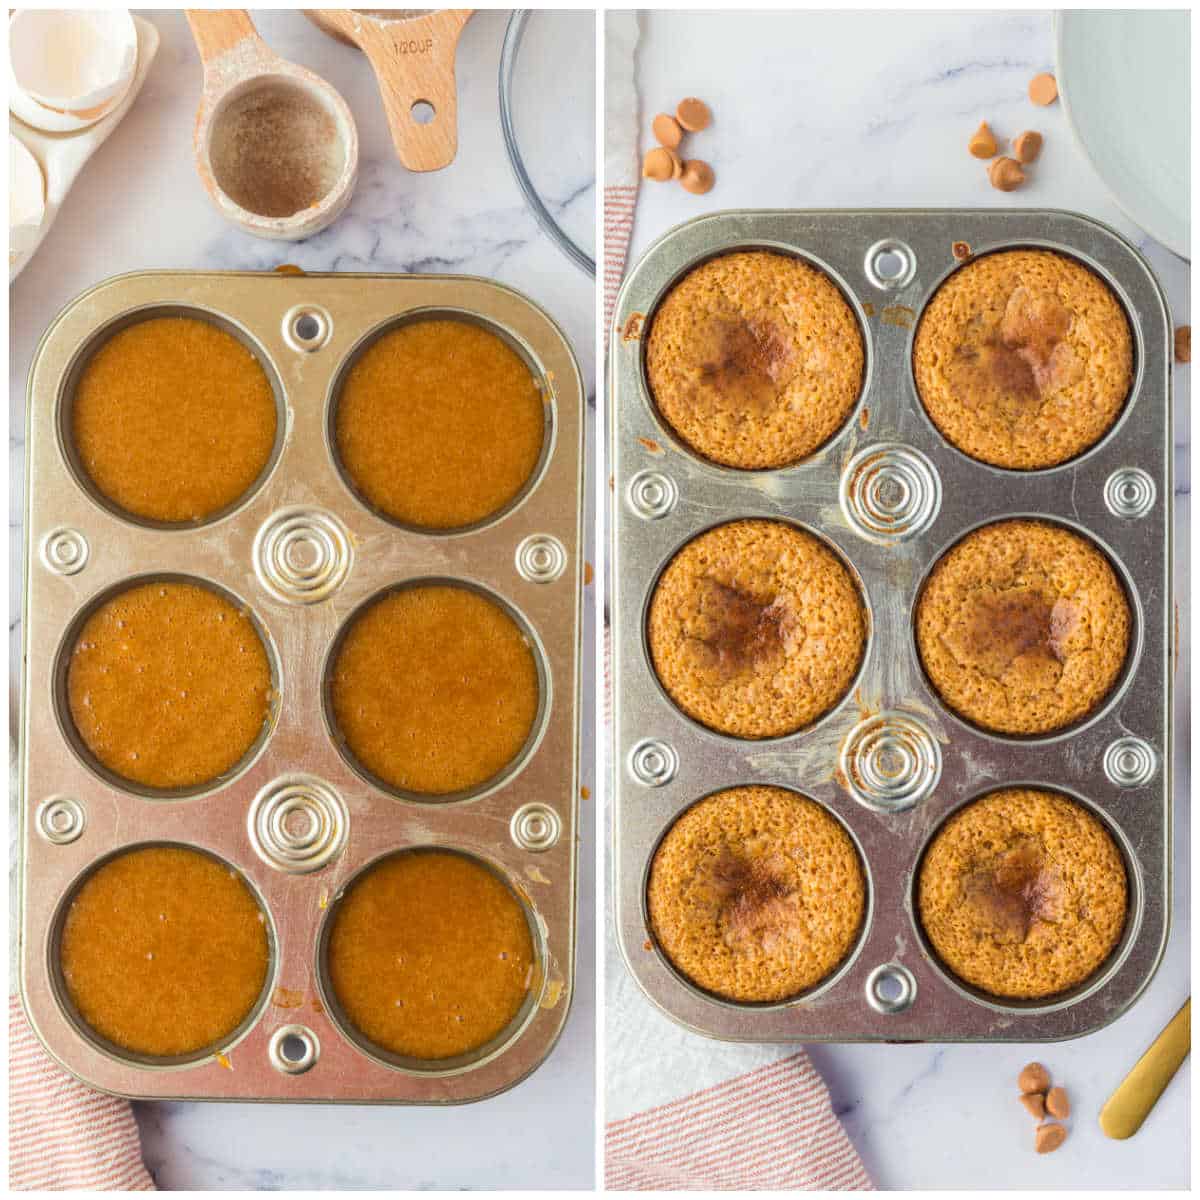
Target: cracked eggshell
(75,61)
(26,199)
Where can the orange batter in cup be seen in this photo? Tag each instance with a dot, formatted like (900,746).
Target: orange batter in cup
(440,424)
(164,951)
(430,954)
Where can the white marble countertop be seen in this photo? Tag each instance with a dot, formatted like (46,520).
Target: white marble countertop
(139,204)
(819,110)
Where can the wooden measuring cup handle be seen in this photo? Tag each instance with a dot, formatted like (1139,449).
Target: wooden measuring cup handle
(413,61)
(217,30)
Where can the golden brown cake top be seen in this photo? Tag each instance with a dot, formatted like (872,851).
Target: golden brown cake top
(754,359)
(440,424)
(169,684)
(430,955)
(756,628)
(1023,627)
(1023,359)
(173,419)
(164,951)
(756,894)
(435,689)
(1023,893)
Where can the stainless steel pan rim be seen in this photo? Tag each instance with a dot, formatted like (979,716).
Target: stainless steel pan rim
(460,1063)
(506,773)
(110,1049)
(1135,904)
(65,399)
(72,736)
(819,988)
(465,316)
(790,251)
(1133,653)
(783,739)
(1135,332)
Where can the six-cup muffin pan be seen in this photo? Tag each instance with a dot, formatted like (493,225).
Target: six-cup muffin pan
(890,495)
(301,553)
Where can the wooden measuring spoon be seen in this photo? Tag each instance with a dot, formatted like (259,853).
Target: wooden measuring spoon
(412,55)
(276,146)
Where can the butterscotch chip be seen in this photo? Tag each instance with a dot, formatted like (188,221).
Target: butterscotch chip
(1023,894)
(1034,1078)
(756,629)
(1035,1104)
(1058,1103)
(173,419)
(434,689)
(754,359)
(983,142)
(1049,1137)
(164,951)
(1183,344)
(659,164)
(697,177)
(1028,146)
(169,684)
(1043,89)
(1023,359)
(666,129)
(1005,174)
(756,894)
(694,115)
(1023,627)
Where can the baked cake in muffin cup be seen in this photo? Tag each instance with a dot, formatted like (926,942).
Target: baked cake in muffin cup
(756,629)
(755,360)
(1023,627)
(757,894)
(1023,894)
(1024,359)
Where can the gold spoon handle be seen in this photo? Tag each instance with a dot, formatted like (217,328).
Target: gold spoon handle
(1139,1091)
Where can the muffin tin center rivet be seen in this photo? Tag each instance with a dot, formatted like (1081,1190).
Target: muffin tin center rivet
(535,827)
(890,761)
(293,1049)
(889,492)
(1130,762)
(61,820)
(298,823)
(65,551)
(541,558)
(891,988)
(1129,492)
(302,556)
(653,763)
(652,494)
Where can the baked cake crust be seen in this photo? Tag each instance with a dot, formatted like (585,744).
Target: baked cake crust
(755,359)
(756,629)
(1023,627)
(1023,893)
(756,894)
(1023,359)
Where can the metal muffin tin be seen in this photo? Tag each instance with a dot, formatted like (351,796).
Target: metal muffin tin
(890,495)
(301,553)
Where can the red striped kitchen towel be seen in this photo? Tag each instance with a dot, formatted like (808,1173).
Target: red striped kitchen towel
(619,201)
(768,1130)
(621,168)
(62,1136)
